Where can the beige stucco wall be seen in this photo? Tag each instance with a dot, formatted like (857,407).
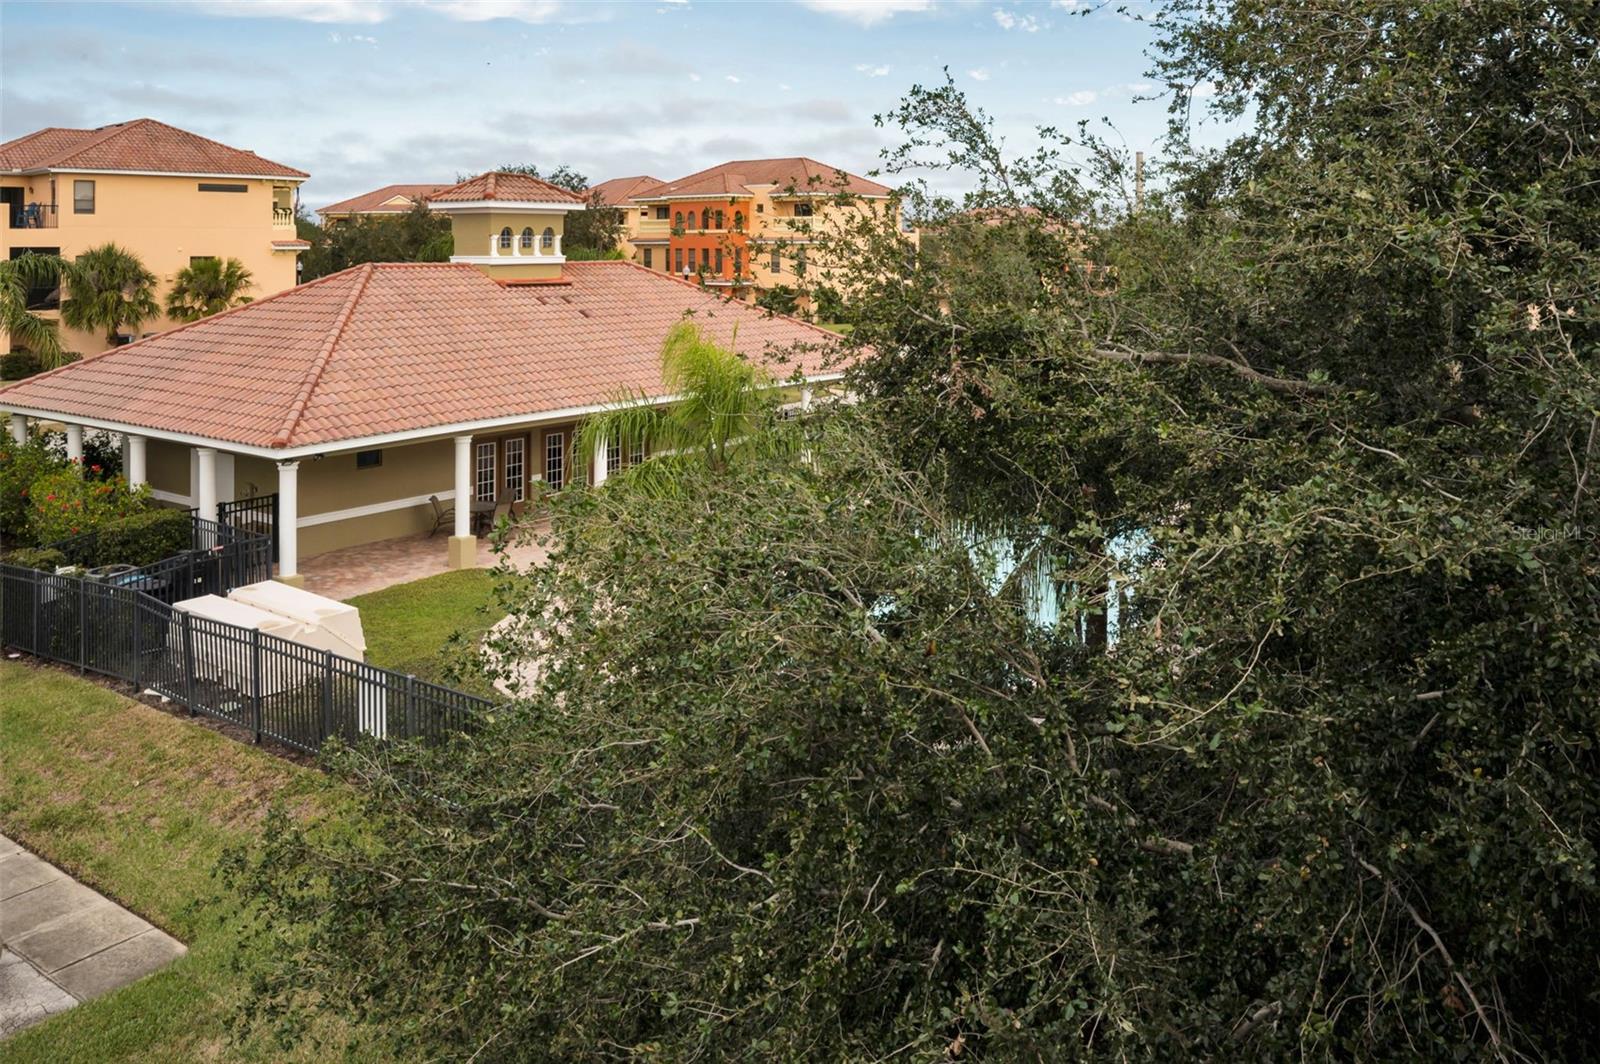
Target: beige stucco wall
(164,220)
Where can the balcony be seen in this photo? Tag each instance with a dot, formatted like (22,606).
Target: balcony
(32,215)
(282,217)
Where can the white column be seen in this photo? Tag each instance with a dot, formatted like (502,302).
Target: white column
(19,428)
(136,463)
(75,443)
(558,244)
(602,457)
(805,398)
(494,245)
(288,520)
(207,500)
(463,486)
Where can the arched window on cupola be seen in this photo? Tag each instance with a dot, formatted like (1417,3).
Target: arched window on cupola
(548,241)
(505,238)
(527,239)
(691,221)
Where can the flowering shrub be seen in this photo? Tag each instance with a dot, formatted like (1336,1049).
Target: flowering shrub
(20,466)
(64,503)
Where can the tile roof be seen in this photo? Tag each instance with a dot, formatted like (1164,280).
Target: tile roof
(499,185)
(286,245)
(619,190)
(800,173)
(142,144)
(399,347)
(377,201)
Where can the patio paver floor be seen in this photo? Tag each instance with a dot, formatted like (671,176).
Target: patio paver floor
(62,943)
(350,571)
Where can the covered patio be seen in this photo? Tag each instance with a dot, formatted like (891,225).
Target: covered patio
(350,571)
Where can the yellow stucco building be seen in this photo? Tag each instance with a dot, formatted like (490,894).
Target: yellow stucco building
(167,195)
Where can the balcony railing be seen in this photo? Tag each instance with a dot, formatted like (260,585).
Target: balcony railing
(32,216)
(282,217)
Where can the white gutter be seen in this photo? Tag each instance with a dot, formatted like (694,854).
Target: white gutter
(358,443)
(155,173)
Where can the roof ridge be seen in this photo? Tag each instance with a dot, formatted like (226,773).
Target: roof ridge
(308,384)
(115,129)
(110,351)
(96,136)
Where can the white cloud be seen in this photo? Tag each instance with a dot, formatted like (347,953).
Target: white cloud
(1008,20)
(369,12)
(979,74)
(731,78)
(693,76)
(872,71)
(352,38)
(867,12)
(1081,98)
(1069,5)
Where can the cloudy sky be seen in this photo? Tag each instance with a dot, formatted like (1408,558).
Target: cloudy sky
(364,93)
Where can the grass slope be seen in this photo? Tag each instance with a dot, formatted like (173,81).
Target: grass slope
(140,804)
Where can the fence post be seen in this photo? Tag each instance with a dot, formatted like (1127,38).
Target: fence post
(255,681)
(411,706)
(138,640)
(327,697)
(83,626)
(36,581)
(188,659)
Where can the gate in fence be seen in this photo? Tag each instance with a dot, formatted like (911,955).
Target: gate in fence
(275,688)
(256,516)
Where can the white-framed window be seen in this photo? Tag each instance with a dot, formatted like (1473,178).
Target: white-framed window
(802,210)
(548,241)
(637,454)
(505,239)
(483,471)
(516,467)
(613,457)
(555,459)
(527,239)
(83,197)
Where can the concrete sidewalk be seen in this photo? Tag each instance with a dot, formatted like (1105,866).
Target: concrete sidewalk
(62,943)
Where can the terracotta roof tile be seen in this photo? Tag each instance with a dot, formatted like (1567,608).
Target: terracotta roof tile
(142,144)
(398,347)
(499,185)
(377,201)
(619,190)
(800,173)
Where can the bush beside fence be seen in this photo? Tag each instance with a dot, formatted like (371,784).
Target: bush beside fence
(275,688)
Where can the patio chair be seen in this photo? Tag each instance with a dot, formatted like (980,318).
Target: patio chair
(442,515)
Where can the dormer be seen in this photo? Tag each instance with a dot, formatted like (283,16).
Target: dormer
(508,225)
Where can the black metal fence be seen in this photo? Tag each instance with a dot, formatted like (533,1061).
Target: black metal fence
(219,558)
(275,688)
(255,516)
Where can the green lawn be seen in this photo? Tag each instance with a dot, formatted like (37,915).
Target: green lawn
(139,804)
(409,626)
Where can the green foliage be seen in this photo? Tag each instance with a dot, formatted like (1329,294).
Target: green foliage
(45,558)
(1185,649)
(142,537)
(108,290)
(65,503)
(727,404)
(780,299)
(21,465)
(828,305)
(208,286)
(17,365)
(26,329)
(419,235)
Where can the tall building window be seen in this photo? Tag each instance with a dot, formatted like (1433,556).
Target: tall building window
(83,197)
(661,213)
(613,458)
(647,263)
(719,263)
(719,219)
(527,239)
(505,238)
(677,220)
(738,221)
(705,258)
(483,472)
(738,262)
(678,260)
(636,455)
(777,261)
(691,221)
(555,459)
(516,467)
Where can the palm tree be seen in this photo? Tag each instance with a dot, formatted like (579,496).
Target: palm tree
(206,287)
(19,277)
(108,288)
(726,406)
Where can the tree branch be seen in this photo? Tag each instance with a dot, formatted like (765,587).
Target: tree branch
(1283,385)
